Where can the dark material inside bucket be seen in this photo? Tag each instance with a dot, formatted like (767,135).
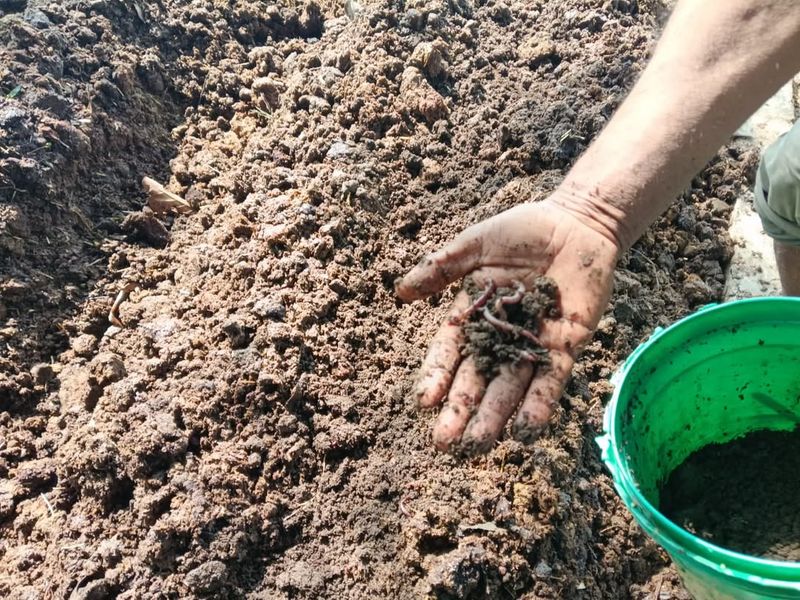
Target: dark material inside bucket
(743,495)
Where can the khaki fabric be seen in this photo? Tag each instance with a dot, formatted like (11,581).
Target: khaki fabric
(777,191)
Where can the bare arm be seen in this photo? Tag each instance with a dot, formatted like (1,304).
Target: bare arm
(715,64)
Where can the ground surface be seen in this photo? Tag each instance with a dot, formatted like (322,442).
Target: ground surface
(752,508)
(248,433)
(753,270)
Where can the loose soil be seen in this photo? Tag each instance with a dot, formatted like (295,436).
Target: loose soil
(741,495)
(249,432)
(511,338)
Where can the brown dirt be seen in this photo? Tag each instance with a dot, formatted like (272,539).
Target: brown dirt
(519,312)
(741,494)
(249,432)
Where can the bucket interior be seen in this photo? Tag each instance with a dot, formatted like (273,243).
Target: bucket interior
(710,378)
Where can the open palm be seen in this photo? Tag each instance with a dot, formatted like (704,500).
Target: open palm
(520,244)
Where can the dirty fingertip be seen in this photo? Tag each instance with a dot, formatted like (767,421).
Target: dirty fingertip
(429,390)
(526,432)
(448,428)
(404,290)
(416,283)
(477,439)
(530,423)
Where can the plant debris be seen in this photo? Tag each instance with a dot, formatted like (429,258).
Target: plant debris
(161,201)
(113,314)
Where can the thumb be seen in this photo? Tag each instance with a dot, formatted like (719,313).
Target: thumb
(437,270)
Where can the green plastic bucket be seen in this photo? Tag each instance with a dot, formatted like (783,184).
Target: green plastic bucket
(690,385)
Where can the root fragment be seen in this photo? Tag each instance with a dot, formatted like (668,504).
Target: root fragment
(403,508)
(113,314)
(48,504)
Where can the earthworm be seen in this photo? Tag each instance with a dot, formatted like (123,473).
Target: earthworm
(514,298)
(507,327)
(479,303)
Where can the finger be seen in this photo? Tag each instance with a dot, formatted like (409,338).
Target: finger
(444,354)
(465,395)
(564,334)
(503,395)
(434,272)
(542,397)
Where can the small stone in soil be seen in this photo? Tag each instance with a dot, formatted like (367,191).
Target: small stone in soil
(42,373)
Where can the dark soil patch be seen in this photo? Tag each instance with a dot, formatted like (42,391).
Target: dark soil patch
(742,495)
(503,321)
(249,432)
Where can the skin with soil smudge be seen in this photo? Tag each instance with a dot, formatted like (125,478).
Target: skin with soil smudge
(501,325)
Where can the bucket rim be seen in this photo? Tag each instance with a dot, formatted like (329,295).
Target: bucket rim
(777,573)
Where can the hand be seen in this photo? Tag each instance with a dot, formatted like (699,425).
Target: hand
(530,240)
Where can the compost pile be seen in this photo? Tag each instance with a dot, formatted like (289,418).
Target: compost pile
(752,508)
(248,432)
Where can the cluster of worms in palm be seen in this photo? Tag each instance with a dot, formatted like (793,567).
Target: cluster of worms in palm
(501,325)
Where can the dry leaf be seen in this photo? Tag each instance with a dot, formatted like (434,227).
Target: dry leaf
(161,201)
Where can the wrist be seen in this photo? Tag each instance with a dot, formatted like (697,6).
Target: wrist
(595,210)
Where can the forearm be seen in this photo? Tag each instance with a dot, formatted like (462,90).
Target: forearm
(715,64)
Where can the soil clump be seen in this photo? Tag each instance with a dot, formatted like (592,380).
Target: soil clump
(741,495)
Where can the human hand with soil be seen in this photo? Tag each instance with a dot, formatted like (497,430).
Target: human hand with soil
(657,140)
(517,246)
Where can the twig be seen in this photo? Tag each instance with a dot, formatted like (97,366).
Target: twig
(57,139)
(113,315)
(35,150)
(49,506)
(651,263)
(94,262)
(401,504)
(657,593)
